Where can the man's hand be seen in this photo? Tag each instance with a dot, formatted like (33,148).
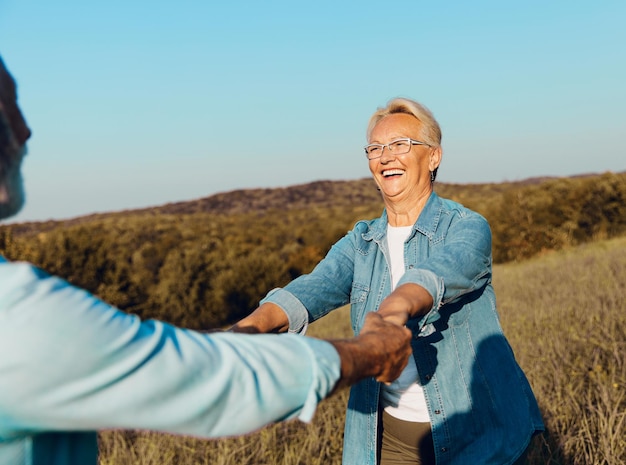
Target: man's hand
(381,350)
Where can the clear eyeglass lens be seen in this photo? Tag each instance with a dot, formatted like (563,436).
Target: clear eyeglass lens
(374,151)
(400,146)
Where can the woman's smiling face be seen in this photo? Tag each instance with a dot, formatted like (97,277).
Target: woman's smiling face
(402,177)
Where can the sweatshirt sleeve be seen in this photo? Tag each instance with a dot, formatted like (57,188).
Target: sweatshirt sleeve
(71,362)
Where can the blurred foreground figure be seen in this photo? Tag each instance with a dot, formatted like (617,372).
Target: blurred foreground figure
(71,365)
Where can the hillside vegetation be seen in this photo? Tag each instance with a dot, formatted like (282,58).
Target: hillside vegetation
(205,263)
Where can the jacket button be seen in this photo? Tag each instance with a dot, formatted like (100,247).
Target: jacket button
(443,449)
(437,412)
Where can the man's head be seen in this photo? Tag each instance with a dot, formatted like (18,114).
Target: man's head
(13,136)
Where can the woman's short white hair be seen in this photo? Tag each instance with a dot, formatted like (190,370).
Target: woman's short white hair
(430,130)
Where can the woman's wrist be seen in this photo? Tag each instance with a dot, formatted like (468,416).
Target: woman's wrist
(406,301)
(399,318)
(268,318)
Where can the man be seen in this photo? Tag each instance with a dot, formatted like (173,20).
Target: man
(70,364)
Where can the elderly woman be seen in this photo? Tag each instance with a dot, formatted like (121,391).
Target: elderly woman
(425,263)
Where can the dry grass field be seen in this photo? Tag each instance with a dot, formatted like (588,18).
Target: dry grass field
(565,316)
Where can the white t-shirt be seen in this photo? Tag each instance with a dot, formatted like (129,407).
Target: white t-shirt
(403,398)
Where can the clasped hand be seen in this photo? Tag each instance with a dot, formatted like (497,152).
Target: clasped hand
(381,350)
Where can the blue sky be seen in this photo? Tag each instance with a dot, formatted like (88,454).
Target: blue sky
(141,103)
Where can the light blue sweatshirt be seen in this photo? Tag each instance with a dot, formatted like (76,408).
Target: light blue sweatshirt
(71,365)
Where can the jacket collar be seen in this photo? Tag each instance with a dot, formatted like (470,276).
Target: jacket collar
(426,223)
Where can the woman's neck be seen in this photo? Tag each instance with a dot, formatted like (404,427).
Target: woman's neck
(405,213)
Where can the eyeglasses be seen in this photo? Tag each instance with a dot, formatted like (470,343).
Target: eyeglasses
(396,147)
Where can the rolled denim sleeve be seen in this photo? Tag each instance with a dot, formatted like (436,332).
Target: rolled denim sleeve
(72,362)
(296,312)
(429,281)
(311,296)
(459,262)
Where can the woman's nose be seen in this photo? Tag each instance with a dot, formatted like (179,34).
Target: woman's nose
(387,156)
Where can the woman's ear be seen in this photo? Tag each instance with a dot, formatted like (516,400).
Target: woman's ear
(435,158)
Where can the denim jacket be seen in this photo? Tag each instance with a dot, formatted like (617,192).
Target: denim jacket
(480,403)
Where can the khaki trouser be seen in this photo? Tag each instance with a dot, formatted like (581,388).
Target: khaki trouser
(410,443)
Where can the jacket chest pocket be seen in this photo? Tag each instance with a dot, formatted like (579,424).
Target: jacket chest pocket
(358,299)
